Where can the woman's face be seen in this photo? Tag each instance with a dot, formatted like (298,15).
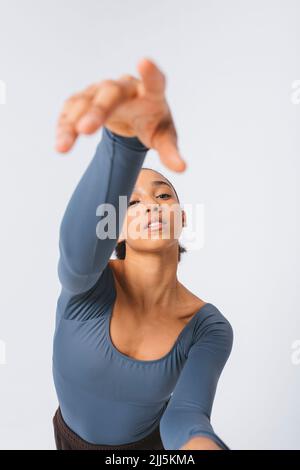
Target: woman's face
(153,199)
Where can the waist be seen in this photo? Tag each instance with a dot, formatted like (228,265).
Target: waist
(67,439)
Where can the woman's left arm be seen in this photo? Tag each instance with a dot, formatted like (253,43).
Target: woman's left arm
(185,423)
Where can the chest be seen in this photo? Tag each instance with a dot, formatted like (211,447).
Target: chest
(141,337)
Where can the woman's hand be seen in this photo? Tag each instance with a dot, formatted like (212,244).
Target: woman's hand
(127,106)
(200,443)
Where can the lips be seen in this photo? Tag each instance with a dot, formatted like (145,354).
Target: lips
(153,221)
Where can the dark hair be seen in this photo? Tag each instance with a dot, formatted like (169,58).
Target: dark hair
(120,249)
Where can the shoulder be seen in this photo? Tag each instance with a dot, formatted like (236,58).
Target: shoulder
(91,303)
(208,316)
(212,323)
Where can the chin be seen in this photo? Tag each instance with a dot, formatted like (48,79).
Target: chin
(152,245)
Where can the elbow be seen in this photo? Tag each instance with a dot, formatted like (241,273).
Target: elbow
(74,282)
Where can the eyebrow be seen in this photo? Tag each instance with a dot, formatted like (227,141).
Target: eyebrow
(156,183)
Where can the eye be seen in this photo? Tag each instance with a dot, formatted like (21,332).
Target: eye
(164,194)
(132,202)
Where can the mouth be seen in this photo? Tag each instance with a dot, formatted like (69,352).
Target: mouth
(155,224)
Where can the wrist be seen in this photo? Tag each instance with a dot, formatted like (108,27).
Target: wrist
(133,143)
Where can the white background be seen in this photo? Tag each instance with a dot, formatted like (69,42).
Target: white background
(230,66)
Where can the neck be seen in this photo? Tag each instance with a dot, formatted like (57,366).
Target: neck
(150,279)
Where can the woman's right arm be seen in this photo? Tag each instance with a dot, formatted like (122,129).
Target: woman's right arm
(135,117)
(111,173)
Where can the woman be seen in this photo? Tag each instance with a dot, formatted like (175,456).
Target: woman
(136,355)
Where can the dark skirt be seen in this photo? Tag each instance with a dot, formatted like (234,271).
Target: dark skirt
(66,439)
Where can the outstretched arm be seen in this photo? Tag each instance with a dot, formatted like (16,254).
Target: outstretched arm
(111,173)
(185,423)
(136,117)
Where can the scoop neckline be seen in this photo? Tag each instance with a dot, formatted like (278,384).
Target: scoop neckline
(151,361)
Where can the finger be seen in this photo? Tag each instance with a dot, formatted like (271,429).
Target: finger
(73,109)
(65,133)
(165,142)
(109,96)
(77,107)
(65,141)
(153,79)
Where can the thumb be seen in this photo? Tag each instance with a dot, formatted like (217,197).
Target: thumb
(165,142)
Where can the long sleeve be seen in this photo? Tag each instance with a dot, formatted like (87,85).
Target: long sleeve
(189,409)
(111,173)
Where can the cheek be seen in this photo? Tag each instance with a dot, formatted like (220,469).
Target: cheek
(173,216)
(177,223)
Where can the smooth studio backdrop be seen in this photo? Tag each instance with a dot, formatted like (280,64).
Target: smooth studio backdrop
(231,68)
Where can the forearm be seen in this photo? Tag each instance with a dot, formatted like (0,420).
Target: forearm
(112,172)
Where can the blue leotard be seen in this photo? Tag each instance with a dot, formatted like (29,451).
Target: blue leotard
(105,396)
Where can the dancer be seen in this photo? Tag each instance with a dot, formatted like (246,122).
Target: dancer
(136,355)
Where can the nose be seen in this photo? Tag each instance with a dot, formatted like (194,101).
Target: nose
(153,207)
(150,203)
